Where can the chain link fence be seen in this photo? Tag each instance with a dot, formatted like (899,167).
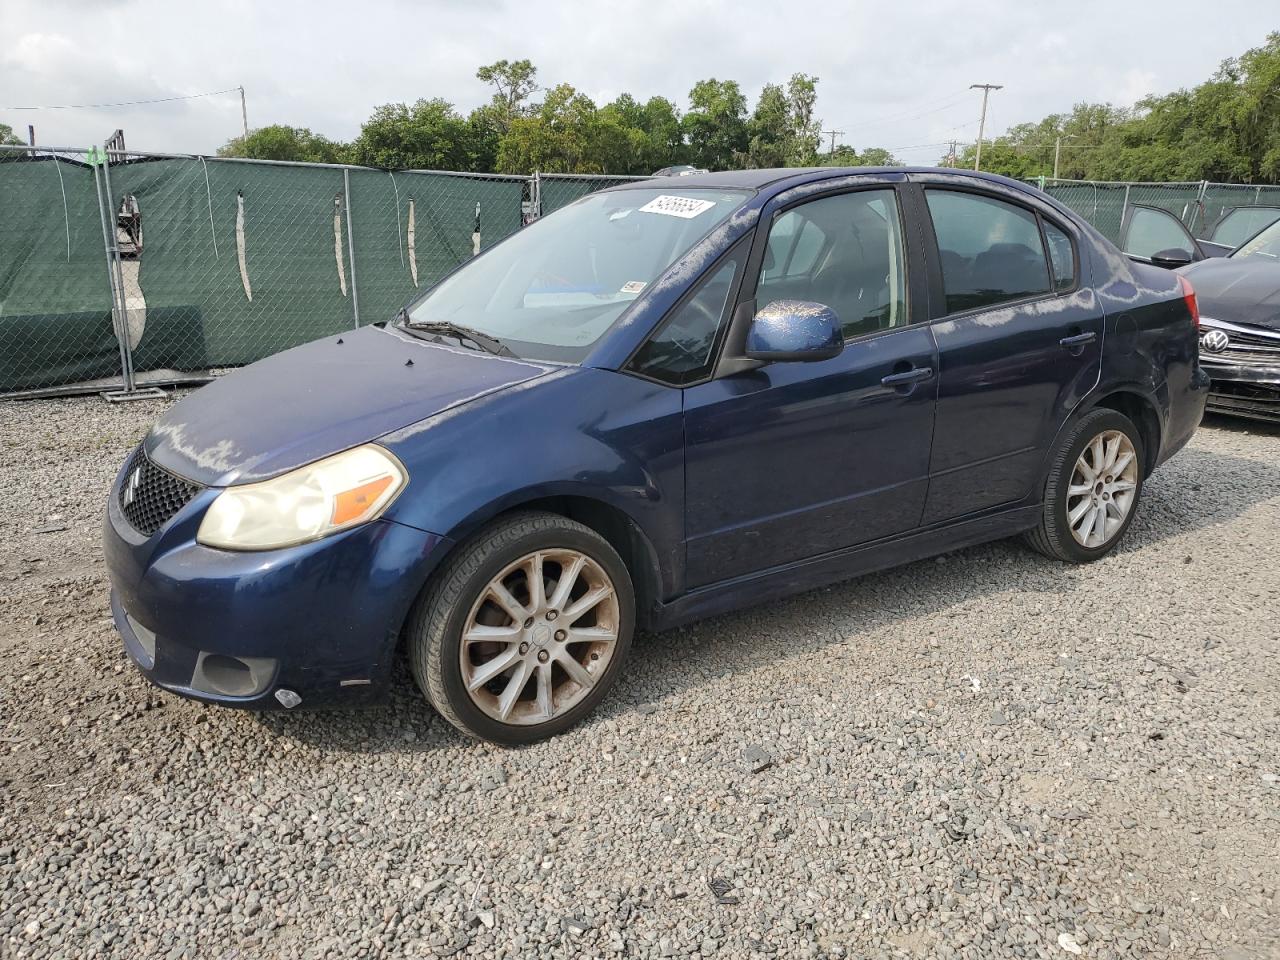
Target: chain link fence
(1200,205)
(120,271)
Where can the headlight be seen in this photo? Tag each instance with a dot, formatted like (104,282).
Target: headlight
(314,501)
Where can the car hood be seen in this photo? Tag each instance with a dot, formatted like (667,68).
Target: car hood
(1238,291)
(320,398)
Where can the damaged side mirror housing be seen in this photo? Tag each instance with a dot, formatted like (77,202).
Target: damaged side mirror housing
(794,330)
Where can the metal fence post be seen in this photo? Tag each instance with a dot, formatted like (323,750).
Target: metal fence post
(130,391)
(119,320)
(351,244)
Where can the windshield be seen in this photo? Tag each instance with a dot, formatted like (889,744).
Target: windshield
(1265,245)
(552,290)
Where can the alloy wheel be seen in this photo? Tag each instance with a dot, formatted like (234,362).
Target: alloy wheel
(1103,486)
(539,637)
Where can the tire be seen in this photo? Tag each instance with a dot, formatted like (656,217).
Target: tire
(1054,536)
(460,598)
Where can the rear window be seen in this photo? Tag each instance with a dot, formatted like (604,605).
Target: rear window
(991,251)
(1062,258)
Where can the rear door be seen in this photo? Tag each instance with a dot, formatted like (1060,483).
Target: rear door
(1019,334)
(1156,236)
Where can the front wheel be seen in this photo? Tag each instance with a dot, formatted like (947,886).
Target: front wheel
(1092,490)
(524,629)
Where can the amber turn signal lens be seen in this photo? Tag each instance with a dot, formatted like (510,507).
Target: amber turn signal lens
(353,504)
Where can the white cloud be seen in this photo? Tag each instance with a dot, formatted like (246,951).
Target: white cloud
(884,70)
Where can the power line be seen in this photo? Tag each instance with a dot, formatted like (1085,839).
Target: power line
(125,103)
(950,101)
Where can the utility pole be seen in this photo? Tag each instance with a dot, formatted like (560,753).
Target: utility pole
(986,89)
(834,134)
(1057,148)
(951,155)
(244,114)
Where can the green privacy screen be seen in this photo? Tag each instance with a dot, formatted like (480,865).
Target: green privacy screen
(1198,205)
(55,298)
(238,260)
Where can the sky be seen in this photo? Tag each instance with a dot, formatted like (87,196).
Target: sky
(892,75)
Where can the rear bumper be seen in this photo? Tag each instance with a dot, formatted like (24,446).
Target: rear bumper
(1186,409)
(320,620)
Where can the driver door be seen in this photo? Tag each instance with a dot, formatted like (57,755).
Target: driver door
(1156,236)
(792,460)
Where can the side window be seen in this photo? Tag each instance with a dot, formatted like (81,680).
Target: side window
(1152,231)
(1242,223)
(1062,258)
(991,251)
(680,350)
(845,252)
(794,245)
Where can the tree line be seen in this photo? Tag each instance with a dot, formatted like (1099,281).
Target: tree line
(566,132)
(1226,129)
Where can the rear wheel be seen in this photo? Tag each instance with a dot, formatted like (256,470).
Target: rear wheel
(524,629)
(1092,490)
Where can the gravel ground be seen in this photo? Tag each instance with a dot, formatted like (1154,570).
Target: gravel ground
(987,754)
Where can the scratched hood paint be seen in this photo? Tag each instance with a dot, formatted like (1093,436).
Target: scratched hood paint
(318,399)
(1238,290)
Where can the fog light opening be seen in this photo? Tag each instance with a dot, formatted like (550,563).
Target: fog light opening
(225,675)
(228,675)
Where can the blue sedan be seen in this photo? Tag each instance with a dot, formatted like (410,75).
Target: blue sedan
(665,401)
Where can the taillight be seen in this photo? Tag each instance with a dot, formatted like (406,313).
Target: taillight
(1189,297)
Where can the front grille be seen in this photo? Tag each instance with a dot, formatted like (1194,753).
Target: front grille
(150,495)
(1244,346)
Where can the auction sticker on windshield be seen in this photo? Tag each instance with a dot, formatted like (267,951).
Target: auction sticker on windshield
(686,208)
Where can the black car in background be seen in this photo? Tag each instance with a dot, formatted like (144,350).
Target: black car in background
(1239,297)
(1155,235)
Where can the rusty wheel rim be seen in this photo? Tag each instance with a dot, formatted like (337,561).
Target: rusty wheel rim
(539,637)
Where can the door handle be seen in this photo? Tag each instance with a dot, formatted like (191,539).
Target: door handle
(908,377)
(1079,340)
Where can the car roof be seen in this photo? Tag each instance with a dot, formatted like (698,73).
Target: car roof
(781,177)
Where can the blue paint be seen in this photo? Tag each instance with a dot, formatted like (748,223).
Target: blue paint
(794,330)
(763,480)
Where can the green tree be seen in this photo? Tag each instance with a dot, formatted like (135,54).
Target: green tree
(782,130)
(803,131)
(1225,129)
(651,130)
(770,129)
(715,125)
(280,142)
(514,82)
(430,135)
(7,135)
(557,136)
(846,156)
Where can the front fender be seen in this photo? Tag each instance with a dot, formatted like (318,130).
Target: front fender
(582,432)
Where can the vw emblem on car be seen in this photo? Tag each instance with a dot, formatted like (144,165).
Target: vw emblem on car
(131,486)
(1215,341)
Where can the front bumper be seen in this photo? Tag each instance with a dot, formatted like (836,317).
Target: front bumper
(1242,390)
(320,620)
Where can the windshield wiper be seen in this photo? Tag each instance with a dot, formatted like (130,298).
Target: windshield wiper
(464,335)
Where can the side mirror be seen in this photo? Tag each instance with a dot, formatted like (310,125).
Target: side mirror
(1171,258)
(794,330)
